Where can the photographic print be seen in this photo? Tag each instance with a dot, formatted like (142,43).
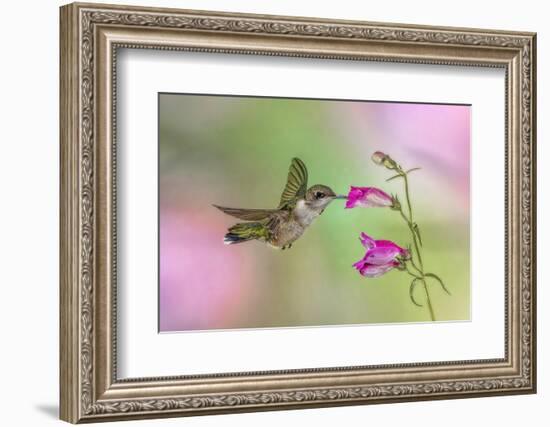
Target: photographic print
(286,212)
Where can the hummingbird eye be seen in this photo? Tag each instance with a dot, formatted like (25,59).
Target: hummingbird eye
(319,195)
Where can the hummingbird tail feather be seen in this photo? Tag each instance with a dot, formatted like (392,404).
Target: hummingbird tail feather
(245,231)
(231,239)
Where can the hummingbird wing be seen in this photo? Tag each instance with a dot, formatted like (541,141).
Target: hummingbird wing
(296,184)
(248,214)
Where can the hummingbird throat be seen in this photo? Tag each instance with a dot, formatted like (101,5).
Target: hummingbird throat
(305,213)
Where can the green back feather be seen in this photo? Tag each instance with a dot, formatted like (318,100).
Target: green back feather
(250,230)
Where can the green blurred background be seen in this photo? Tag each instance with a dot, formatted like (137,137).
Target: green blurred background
(235,151)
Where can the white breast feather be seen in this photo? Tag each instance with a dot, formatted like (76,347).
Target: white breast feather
(304,215)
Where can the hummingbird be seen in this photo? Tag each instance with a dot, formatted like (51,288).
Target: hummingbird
(279,228)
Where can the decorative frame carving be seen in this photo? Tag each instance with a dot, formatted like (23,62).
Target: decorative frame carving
(90,36)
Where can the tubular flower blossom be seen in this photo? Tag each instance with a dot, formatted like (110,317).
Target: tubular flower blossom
(381,256)
(368,197)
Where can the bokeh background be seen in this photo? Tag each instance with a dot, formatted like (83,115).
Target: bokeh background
(235,151)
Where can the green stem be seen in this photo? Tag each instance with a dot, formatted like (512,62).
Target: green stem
(406,179)
(432,315)
(412,274)
(415,242)
(410,223)
(415,266)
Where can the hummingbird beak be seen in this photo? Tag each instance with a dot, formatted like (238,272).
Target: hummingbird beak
(340,197)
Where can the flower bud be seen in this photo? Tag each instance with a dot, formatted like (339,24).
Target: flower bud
(378,157)
(383,159)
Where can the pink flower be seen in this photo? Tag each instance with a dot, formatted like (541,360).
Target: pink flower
(381,256)
(368,197)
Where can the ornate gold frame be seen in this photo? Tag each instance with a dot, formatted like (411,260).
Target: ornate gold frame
(90,36)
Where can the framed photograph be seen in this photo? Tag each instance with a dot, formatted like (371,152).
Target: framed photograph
(266,212)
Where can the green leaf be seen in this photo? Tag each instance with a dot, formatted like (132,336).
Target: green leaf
(433,276)
(412,170)
(411,292)
(393,177)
